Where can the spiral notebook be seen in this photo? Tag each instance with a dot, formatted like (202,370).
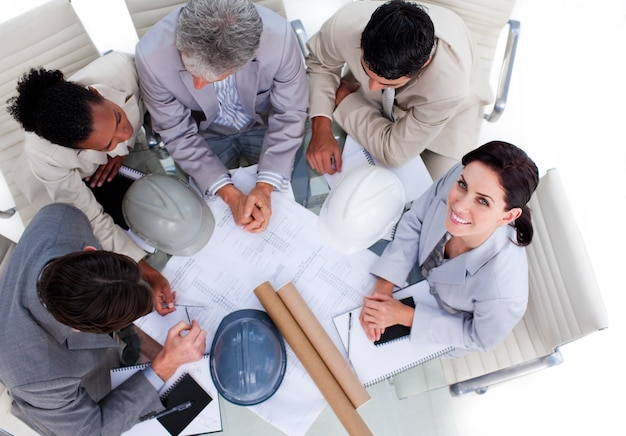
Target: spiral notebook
(373,363)
(130,173)
(193,379)
(414,176)
(395,332)
(183,391)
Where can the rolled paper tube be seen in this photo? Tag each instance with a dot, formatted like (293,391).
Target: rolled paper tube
(312,362)
(324,345)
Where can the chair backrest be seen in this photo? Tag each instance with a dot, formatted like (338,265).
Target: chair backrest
(145,14)
(565,303)
(50,36)
(485,19)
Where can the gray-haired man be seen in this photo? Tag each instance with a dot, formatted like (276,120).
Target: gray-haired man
(224,79)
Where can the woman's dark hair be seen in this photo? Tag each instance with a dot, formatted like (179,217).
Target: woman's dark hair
(53,108)
(95,291)
(518,176)
(398,39)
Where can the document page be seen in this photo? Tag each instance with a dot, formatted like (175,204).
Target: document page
(221,279)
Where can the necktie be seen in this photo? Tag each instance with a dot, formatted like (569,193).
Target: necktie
(389,95)
(435,257)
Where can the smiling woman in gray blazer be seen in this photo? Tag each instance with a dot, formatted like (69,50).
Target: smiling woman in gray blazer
(466,234)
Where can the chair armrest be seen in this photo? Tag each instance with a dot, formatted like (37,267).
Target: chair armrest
(152,138)
(298,27)
(481,383)
(505,72)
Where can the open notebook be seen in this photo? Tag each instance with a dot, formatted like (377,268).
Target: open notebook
(206,421)
(414,176)
(374,363)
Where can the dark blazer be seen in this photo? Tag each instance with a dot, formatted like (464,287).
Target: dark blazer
(47,367)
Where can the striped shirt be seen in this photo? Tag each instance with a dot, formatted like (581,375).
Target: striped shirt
(231,112)
(232,115)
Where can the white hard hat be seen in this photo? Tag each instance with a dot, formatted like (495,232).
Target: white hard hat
(168,214)
(361,208)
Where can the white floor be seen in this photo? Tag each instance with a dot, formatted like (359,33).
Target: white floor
(565,111)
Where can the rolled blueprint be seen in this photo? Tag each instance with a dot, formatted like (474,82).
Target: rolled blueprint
(324,345)
(311,360)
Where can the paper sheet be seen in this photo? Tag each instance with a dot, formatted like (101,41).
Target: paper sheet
(223,275)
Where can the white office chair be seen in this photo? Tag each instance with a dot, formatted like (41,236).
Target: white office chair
(486,19)
(145,14)
(565,304)
(62,43)
(51,36)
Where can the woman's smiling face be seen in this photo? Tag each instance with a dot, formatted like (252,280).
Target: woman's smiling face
(477,206)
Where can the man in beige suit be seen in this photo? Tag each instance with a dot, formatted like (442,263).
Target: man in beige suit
(422,52)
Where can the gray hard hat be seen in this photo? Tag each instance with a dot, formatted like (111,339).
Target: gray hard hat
(168,214)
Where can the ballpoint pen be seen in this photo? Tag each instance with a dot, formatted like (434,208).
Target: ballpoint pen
(179,408)
(349,332)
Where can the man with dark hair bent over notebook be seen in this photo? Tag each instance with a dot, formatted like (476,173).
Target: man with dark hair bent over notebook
(62,297)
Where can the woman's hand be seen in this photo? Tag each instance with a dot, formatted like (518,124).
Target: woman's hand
(106,172)
(380,310)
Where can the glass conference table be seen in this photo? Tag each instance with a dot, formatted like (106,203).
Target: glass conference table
(428,413)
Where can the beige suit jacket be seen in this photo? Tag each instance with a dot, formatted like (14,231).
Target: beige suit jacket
(49,173)
(438,110)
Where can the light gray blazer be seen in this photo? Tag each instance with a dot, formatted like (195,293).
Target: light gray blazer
(488,285)
(272,87)
(45,365)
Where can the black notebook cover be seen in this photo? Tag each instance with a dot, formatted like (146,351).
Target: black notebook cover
(185,389)
(396,331)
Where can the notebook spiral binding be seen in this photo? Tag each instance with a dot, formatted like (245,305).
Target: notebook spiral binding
(409,366)
(391,341)
(165,394)
(139,366)
(130,173)
(368,156)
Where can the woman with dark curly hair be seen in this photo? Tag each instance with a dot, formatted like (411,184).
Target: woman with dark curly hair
(78,133)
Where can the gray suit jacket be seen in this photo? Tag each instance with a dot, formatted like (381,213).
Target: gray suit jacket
(45,365)
(488,286)
(272,87)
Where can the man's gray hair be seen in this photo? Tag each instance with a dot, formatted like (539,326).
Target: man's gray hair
(217,37)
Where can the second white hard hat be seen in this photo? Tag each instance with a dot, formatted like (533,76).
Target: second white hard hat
(363,207)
